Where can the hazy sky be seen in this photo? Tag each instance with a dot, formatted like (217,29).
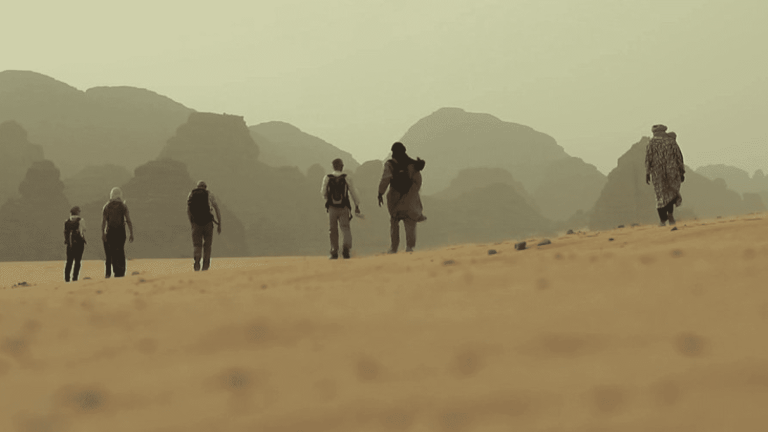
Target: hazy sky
(594,74)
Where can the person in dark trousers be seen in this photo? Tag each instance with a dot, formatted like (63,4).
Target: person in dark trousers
(199,204)
(402,175)
(74,238)
(114,217)
(336,189)
(665,168)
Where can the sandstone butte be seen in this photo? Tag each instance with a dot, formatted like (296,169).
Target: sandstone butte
(654,331)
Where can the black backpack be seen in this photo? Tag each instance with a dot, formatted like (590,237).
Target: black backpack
(337,192)
(115,213)
(72,232)
(401,178)
(199,207)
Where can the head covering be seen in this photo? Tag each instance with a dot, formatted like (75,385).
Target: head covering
(74,210)
(201,184)
(398,148)
(658,128)
(672,135)
(116,194)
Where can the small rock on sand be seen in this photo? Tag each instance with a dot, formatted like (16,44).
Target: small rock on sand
(610,239)
(134,273)
(492,252)
(570,232)
(621,226)
(520,246)
(545,242)
(674,229)
(449,262)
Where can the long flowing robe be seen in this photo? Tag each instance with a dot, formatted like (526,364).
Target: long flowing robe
(407,206)
(664,163)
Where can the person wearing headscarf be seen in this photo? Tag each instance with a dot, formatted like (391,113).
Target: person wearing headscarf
(664,167)
(402,176)
(74,238)
(115,216)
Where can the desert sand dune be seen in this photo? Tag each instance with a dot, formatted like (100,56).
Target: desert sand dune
(655,330)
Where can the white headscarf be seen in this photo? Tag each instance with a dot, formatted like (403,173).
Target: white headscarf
(116,194)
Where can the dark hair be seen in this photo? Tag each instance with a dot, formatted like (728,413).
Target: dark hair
(337,163)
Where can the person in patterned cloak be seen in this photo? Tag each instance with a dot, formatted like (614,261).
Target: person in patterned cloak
(664,166)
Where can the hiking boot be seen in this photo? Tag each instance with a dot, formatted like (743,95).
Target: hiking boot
(409,249)
(391,251)
(333,256)
(345,253)
(671,220)
(197,266)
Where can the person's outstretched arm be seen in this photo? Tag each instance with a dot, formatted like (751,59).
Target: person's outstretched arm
(648,163)
(216,209)
(353,194)
(386,176)
(104,224)
(324,188)
(129,223)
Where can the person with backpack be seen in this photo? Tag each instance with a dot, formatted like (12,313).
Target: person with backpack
(114,217)
(336,189)
(199,204)
(74,238)
(402,175)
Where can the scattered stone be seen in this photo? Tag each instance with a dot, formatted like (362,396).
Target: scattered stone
(635,224)
(570,231)
(621,226)
(545,242)
(449,262)
(492,252)
(520,246)
(98,291)
(719,217)
(22,284)
(674,229)
(86,278)
(677,253)
(142,280)
(134,273)
(610,239)
(263,286)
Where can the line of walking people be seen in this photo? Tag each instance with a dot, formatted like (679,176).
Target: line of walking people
(401,181)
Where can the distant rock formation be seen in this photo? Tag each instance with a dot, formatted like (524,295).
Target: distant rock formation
(93,183)
(281,211)
(460,140)
(282,144)
(32,226)
(496,212)
(736,178)
(626,199)
(16,156)
(470,179)
(103,125)
(157,199)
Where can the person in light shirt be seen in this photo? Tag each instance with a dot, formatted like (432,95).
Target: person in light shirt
(336,190)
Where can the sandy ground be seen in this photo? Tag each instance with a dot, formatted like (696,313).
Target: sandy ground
(656,330)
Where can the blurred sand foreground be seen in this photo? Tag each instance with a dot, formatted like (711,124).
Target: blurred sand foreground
(653,331)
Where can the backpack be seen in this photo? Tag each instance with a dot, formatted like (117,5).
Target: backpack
(199,207)
(115,213)
(72,232)
(337,191)
(401,178)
